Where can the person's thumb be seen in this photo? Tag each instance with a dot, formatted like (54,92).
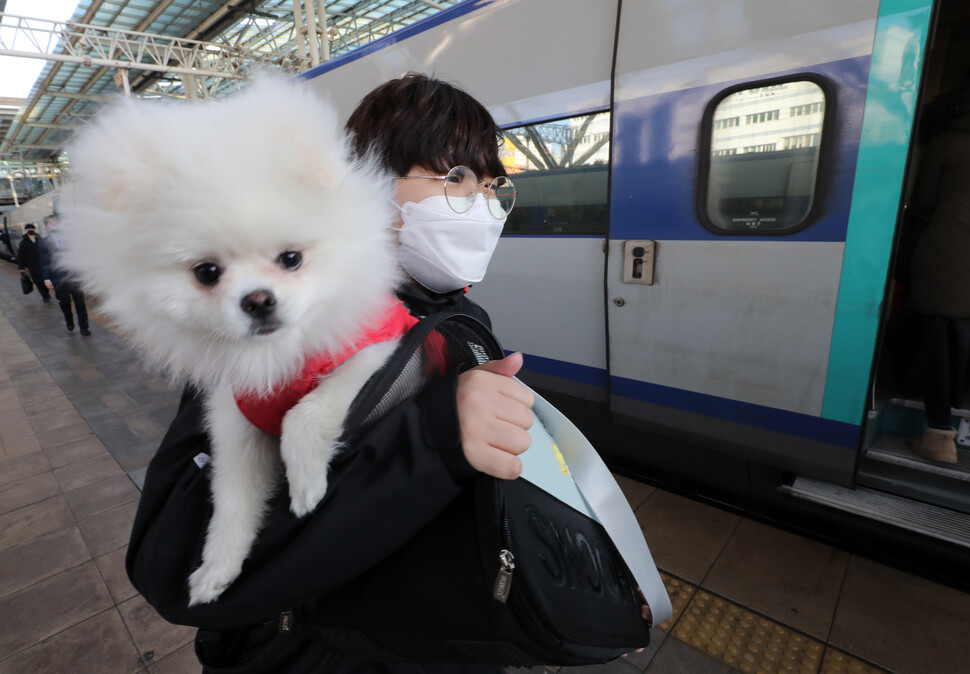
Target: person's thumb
(507,367)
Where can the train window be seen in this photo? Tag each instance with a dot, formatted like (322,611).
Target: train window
(761,149)
(560,171)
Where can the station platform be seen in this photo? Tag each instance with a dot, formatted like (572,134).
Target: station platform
(80,419)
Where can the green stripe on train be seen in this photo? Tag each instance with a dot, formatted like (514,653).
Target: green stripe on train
(897,59)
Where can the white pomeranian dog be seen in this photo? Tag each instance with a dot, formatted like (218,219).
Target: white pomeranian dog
(234,242)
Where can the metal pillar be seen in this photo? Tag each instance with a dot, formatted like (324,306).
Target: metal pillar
(322,22)
(311,30)
(299,28)
(190,87)
(13,191)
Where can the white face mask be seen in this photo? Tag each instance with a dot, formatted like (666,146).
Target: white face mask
(444,250)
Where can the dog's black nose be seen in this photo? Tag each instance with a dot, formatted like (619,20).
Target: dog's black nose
(259,304)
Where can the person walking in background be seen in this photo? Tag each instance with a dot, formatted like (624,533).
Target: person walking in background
(28,259)
(940,271)
(56,279)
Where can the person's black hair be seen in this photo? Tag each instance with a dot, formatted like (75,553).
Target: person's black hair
(30,225)
(417,120)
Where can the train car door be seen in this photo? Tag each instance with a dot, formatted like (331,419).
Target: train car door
(758,154)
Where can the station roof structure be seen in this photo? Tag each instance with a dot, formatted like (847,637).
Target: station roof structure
(173,48)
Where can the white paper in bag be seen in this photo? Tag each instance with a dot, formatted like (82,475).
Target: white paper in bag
(563,462)
(544,465)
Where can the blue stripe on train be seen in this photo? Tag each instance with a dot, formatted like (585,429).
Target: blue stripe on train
(444,16)
(759,416)
(561,368)
(769,418)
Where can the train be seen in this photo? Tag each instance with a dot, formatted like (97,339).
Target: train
(700,268)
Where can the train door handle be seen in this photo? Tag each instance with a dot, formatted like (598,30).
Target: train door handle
(638,262)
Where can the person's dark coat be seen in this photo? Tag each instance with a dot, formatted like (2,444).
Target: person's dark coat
(941,261)
(47,253)
(28,257)
(66,290)
(382,491)
(29,260)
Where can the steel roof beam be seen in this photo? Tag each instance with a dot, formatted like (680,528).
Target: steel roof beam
(115,48)
(129,65)
(94,98)
(45,125)
(103,47)
(88,15)
(229,23)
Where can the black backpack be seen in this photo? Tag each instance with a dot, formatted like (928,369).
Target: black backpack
(506,574)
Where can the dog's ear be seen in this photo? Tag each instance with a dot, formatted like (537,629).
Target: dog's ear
(115,158)
(317,138)
(318,161)
(118,190)
(317,175)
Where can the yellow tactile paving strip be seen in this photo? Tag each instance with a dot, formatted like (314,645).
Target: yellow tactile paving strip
(837,662)
(680,593)
(747,641)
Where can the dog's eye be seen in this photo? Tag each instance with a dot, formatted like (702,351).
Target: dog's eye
(290,259)
(207,273)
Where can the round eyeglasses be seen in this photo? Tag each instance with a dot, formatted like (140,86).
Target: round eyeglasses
(462,185)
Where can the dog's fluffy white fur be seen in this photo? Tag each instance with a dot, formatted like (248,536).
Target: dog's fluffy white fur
(162,188)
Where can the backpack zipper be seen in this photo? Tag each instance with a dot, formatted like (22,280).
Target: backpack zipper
(503,581)
(502,589)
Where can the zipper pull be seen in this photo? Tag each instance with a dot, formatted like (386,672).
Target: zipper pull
(286,622)
(503,581)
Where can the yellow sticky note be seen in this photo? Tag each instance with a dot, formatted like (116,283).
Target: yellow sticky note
(563,468)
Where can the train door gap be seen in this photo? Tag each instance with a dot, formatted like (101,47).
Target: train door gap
(897,414)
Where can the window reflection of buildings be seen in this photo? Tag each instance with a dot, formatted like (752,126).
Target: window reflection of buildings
(557,139)
(767,119)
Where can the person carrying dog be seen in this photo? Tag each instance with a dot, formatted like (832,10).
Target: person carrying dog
(58,280)
(402,470)
(28,259)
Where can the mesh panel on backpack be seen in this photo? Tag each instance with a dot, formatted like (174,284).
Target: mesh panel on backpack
(433,346)
(409,383)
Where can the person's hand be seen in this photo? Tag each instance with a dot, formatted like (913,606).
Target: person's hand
(645,611)
(494,416)
(50,286)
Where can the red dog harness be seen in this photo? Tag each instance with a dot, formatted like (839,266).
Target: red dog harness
(267,412)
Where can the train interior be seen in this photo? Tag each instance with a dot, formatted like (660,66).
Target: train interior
(896,416)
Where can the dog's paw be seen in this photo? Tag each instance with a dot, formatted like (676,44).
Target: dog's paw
(208,582)
(306,469)
(305,495)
